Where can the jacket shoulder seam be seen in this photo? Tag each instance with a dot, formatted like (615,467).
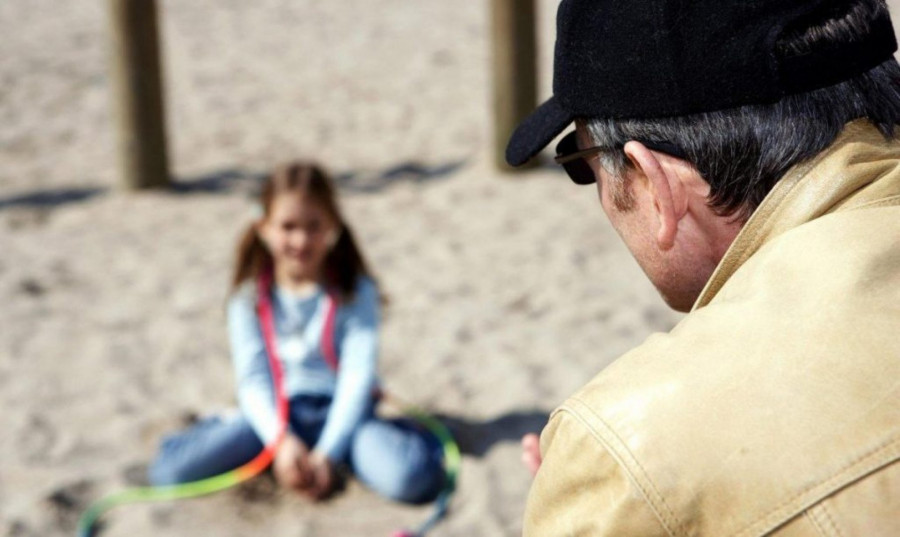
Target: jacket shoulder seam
(879,456)
(823,521)
(886,453)
(817,524)
(616,447)
(889,201)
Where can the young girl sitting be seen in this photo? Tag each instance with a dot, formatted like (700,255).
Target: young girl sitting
(313,258)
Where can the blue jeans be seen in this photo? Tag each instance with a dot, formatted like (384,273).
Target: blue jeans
(395,458)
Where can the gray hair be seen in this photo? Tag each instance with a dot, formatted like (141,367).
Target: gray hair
(742,152)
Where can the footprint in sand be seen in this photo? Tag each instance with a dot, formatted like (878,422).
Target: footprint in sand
(17,528)
(66,503)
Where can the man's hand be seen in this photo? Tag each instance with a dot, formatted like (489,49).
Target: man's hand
(531,453)
(291,464)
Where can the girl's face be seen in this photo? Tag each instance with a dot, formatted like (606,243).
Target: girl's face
(299,233)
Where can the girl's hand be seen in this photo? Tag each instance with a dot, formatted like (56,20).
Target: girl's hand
(291,464)
(323,476)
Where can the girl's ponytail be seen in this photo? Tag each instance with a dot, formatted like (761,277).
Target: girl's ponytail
(345,263)
(251,259)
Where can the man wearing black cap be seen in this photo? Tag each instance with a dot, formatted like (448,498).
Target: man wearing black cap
(745,151)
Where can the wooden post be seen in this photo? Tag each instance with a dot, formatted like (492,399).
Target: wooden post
(515,67)
(137,86)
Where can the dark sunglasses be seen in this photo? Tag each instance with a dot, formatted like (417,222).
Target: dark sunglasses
(573,160)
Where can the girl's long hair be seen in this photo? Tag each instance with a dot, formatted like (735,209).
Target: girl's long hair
(343,264)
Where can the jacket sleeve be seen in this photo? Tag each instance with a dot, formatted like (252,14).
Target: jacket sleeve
(358,348)
(255,393)
(581,490)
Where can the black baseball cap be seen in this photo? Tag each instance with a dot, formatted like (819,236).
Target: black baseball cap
(633,59)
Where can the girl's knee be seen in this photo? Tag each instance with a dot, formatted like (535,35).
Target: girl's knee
(419,486)
(160,474)
(406,485)
(398,464)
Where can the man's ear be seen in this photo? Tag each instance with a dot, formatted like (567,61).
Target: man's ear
(665,189)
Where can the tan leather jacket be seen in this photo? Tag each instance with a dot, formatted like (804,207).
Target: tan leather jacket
(773,408)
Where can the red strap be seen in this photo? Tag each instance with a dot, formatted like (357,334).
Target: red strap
(267,324)
(328,351)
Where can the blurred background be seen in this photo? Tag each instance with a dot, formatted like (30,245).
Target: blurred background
(507,291)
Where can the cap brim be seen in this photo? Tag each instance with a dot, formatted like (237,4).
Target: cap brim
(536,131)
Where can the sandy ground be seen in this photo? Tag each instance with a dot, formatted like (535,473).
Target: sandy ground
(507,294)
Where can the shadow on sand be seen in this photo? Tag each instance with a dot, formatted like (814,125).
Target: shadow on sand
(477,437)
(236,179)
(363,181)
(366,182)
(411,172)
(225,180)
(50,199)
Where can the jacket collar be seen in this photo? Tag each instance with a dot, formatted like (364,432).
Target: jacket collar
(836,179)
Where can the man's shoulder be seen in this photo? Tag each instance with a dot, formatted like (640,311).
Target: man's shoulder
(762,402)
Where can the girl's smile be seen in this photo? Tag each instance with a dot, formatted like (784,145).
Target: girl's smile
(299,234)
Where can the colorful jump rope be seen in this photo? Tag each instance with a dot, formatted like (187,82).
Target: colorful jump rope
(259,463)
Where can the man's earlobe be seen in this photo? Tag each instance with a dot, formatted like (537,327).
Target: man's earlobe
(660,187)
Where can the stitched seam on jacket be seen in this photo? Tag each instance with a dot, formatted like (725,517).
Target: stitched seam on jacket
(627,460)
(884,202)
(879,457)
(824,509)
(817,524)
